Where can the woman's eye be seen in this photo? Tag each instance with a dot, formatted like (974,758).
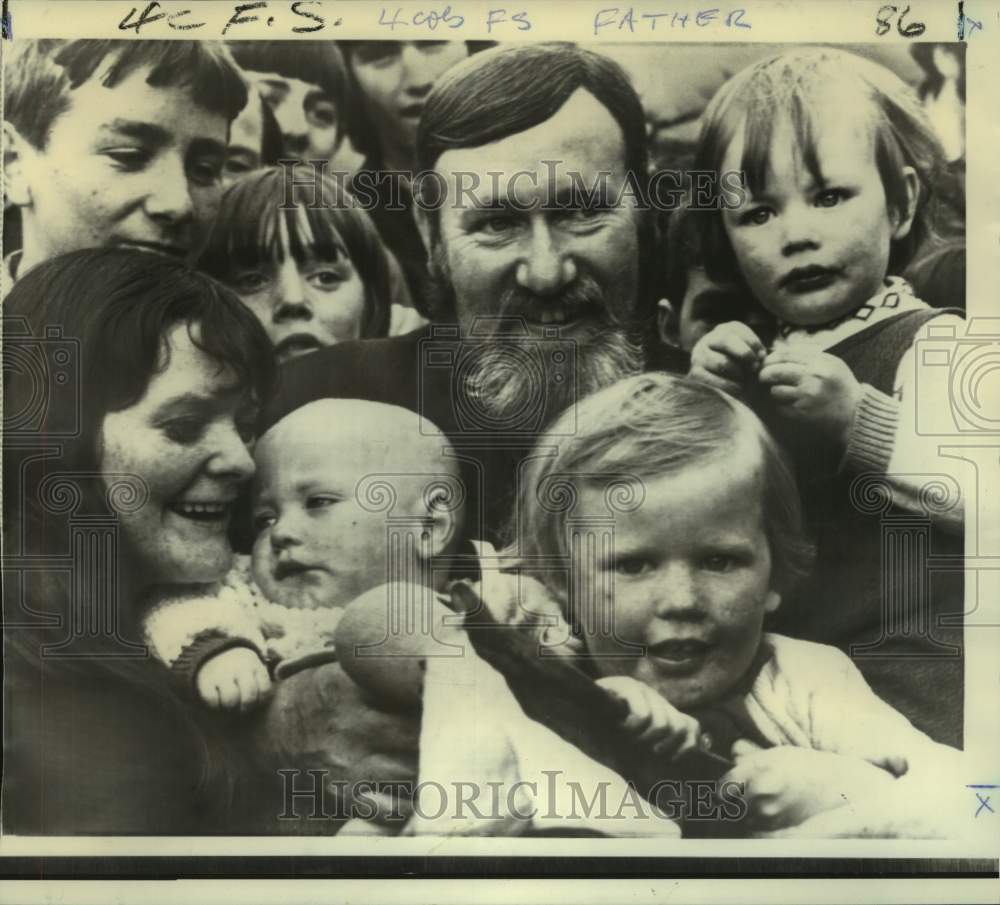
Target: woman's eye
(184,430)
(829,198)
(377,52)
(632,565)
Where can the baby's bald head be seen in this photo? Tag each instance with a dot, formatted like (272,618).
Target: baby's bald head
(372,436)
(321,498)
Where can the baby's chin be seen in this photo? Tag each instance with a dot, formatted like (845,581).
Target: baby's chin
(298,595)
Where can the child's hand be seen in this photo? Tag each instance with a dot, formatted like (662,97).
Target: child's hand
(813,387)
(236,679)
(652,718)
(784,786)
(727,357)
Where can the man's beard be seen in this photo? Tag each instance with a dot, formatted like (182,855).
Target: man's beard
(505,389)
(598,355)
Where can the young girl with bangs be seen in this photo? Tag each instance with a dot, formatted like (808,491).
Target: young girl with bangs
(313,269)
(837,160)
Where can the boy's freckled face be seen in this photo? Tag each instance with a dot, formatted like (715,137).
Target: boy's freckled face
(813,252)
(689,578)
(132,163)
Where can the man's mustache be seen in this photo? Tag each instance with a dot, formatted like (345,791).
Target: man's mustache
(582,298)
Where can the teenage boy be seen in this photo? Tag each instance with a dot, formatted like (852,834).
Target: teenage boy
(116,142)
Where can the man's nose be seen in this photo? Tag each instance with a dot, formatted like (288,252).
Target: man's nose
(800,229)
(292,300)
(291,119)
(545,267)
(169,200)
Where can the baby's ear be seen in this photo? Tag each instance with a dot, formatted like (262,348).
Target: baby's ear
(902,219)
(440,514)
(772,601)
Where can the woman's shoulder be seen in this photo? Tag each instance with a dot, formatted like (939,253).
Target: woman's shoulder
(89,754)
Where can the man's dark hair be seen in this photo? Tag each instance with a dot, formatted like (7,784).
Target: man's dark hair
(510,89)
(507,90)
(40,74)
(317,62)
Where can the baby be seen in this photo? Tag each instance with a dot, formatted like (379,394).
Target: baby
(837,160)
(670,605)
(332,478)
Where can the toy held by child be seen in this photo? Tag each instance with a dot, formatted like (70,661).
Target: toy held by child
(837,161)
(670,607)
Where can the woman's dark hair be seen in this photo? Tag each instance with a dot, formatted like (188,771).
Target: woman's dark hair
(246,233)
(84,334)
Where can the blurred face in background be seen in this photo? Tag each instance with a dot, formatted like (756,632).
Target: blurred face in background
(306,113)
(395,78)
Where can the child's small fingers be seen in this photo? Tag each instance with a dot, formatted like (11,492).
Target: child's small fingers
(781,373)
(786,394)
(229,694)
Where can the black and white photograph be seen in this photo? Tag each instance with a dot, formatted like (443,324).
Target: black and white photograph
(574,445)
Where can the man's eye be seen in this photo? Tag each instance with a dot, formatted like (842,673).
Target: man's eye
(496,226)
(184,431)
(246,427)
(632,565)
(829,198)
(757,216)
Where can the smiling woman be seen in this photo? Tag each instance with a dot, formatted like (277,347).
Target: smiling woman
(139,493)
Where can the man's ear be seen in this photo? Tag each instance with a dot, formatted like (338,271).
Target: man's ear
(903,220)
(16,151)
(665,319)
(772,601)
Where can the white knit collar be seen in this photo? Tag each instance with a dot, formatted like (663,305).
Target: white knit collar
(895,297)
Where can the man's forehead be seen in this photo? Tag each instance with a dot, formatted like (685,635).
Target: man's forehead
(582,134)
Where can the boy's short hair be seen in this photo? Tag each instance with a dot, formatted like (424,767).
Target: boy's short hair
(646,427)
(316,62)
(789,87)
(245,234)
(40,74)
